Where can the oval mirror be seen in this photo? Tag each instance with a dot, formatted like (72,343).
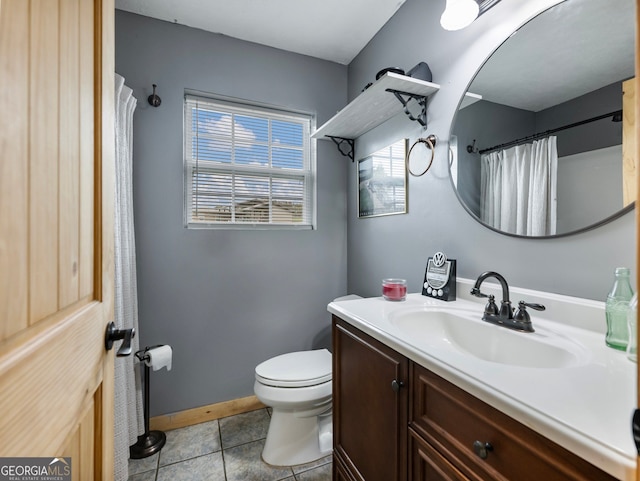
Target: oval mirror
(543,142)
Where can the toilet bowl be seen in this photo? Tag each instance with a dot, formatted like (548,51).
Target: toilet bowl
(297,386)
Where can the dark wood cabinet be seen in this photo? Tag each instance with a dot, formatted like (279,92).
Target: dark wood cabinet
(394,420)
(340,473)
(427,464)
(482,442)
(370,406)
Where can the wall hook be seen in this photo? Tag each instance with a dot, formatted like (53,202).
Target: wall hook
(154,99)
(472,149)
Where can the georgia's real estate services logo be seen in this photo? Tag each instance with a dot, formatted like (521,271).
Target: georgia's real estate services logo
(35,469)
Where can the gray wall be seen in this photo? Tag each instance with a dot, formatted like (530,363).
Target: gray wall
(580,182)
(225,300)
(580,265)
(591,136)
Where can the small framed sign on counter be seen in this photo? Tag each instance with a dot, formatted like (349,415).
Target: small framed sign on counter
(382,181)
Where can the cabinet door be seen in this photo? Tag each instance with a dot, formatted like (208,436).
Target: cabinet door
(370,405)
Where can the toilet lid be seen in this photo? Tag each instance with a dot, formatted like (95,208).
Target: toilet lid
(296,369)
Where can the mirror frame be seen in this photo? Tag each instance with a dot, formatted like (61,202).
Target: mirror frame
(626,209)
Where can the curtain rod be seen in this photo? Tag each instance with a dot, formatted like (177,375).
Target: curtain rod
(549,132)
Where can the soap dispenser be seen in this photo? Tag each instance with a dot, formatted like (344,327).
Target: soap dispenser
(616,309)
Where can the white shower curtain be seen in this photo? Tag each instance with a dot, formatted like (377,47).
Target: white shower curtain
(129,417)
(518,192)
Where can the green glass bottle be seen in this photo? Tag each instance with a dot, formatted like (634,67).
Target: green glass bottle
(616,309)
(632,322)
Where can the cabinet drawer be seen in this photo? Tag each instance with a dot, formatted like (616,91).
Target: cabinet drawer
(340,472)
(426,464)
(452,420)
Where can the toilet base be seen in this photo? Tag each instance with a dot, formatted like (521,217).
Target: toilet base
(293,440)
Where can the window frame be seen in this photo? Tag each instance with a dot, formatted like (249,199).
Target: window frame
(244,107)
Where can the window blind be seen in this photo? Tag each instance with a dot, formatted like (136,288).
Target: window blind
(247,166)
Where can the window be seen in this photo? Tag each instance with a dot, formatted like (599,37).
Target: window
(247,166)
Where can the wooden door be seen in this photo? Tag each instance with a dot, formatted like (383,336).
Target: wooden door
(369,410)
(629,128)
(637,156)
(56,233)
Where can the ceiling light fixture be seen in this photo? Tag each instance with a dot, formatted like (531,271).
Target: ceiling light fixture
(459,14)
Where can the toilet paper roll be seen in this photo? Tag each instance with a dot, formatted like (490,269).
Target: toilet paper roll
(159,357)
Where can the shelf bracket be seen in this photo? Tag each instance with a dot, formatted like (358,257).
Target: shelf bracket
(422,101)
(340,141)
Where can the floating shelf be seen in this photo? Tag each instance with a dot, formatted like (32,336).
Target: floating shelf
(469,98)
(374,106)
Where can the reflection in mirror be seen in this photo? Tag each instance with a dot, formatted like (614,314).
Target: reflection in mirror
(382,181)
(538,144)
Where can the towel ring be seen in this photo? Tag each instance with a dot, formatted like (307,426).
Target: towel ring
(430,142)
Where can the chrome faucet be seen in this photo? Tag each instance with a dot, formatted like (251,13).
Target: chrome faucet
(504,316)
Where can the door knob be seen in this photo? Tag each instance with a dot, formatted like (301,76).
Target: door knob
(125,335)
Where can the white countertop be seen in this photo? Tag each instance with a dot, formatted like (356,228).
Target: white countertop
(586,408)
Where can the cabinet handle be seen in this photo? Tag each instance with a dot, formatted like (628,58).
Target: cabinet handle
(482,449)
(396,385)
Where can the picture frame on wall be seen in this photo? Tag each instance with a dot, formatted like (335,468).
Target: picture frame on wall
(382,181)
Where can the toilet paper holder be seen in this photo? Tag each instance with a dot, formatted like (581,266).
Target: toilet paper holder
(150,442)
(143,354)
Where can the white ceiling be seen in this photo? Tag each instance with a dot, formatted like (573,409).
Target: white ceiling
(335,30)
(574,48)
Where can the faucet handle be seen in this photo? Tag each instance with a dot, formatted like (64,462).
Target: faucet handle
(491,308)
(522,316)
(476,292)
(537,307)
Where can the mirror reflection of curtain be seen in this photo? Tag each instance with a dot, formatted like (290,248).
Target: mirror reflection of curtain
(519,188)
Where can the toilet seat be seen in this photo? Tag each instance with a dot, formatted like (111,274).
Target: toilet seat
(296,369)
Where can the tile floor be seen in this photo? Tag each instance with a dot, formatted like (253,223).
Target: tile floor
(226,449)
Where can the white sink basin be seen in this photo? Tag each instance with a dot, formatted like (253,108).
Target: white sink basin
(464,331)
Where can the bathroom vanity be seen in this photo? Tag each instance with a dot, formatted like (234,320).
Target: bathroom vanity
(425,390)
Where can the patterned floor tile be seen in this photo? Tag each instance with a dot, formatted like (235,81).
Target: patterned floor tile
(243,463)
(189,442)
(146,476)
(232,445)
(203,468)
(244,428)
(137,466)
(306,467)
(322,473)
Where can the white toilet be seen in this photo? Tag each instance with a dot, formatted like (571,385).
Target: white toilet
(297,386)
